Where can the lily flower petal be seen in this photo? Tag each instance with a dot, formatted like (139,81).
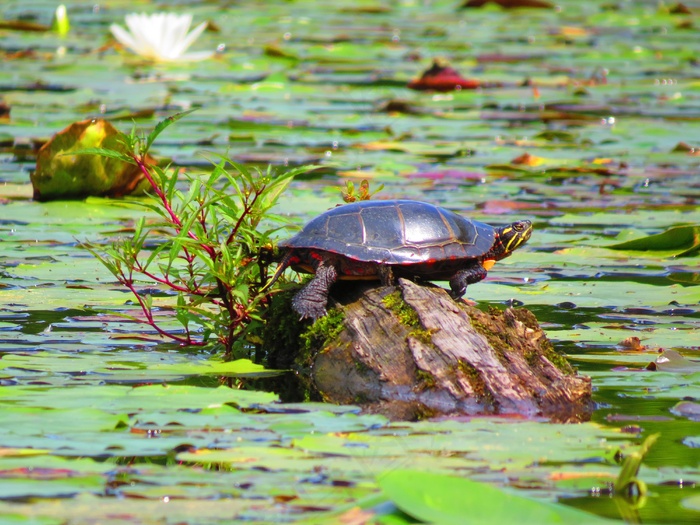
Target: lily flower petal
(160,37)
(186,42)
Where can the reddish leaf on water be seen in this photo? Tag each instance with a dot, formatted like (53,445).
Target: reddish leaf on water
(527,160)
(510,4)
(632,344)
(684,147)
(37,473)
(497,207)
(443,78)
(22,25)
(680,9)
(635,417)
(398,106)
(502,58)
(687,409)
(447,174)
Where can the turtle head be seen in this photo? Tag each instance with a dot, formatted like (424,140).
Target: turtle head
(511,237)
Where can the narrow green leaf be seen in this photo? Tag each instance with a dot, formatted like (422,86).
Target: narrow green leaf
(112,154)
(628,486)
(162,125)
(138,228)
(155,253)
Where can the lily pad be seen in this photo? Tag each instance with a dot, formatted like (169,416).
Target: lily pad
(60,174)
(682,241)
(437,498)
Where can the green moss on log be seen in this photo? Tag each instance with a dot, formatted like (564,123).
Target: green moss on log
(408,317)
(475,380)
(322,332)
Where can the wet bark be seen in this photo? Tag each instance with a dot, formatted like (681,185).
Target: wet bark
(411,351)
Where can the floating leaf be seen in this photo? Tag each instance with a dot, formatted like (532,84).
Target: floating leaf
(441,77)
(510,4)
(672,361)
(683,241)
(687,409)
(574,86)
(60,174)
(237,368)
(442,499)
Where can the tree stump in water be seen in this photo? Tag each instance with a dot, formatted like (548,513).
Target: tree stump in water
(411,351)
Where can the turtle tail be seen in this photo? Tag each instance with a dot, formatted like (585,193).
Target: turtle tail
(281,267)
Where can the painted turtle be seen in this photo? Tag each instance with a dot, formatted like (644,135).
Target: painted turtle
(387,239)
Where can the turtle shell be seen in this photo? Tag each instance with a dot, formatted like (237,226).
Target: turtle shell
(397,232)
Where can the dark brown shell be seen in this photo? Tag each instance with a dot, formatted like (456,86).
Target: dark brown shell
(399,232)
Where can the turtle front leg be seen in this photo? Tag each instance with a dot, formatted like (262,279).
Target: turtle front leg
(469,275)
(312,299)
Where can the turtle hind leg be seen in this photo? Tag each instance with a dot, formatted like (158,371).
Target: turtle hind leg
(469,275)
(311,301)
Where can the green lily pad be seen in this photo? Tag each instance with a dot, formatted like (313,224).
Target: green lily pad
(60,174)
(437,498)
(682,241)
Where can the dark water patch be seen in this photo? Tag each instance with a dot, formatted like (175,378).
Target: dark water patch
(669,450)
(37,86)
(37,321)
(566,315)
(663,505)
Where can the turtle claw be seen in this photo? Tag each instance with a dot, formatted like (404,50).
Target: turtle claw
(308,308)
(313,316)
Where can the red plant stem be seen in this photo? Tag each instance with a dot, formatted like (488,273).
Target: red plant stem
(149,316)
(166,281)
(166,204)
(236,316)
(246,210)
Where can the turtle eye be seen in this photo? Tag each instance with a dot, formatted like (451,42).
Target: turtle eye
(518,226)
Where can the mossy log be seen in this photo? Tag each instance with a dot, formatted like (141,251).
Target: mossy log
(411,351)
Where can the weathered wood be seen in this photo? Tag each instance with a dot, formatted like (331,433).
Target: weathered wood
(411,351)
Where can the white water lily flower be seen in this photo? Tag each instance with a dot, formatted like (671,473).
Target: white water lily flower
(162,37)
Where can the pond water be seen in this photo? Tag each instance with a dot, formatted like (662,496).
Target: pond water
(588,124)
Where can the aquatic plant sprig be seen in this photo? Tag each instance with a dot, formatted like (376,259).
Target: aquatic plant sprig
(60,23)
(161,37)
(212,248)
